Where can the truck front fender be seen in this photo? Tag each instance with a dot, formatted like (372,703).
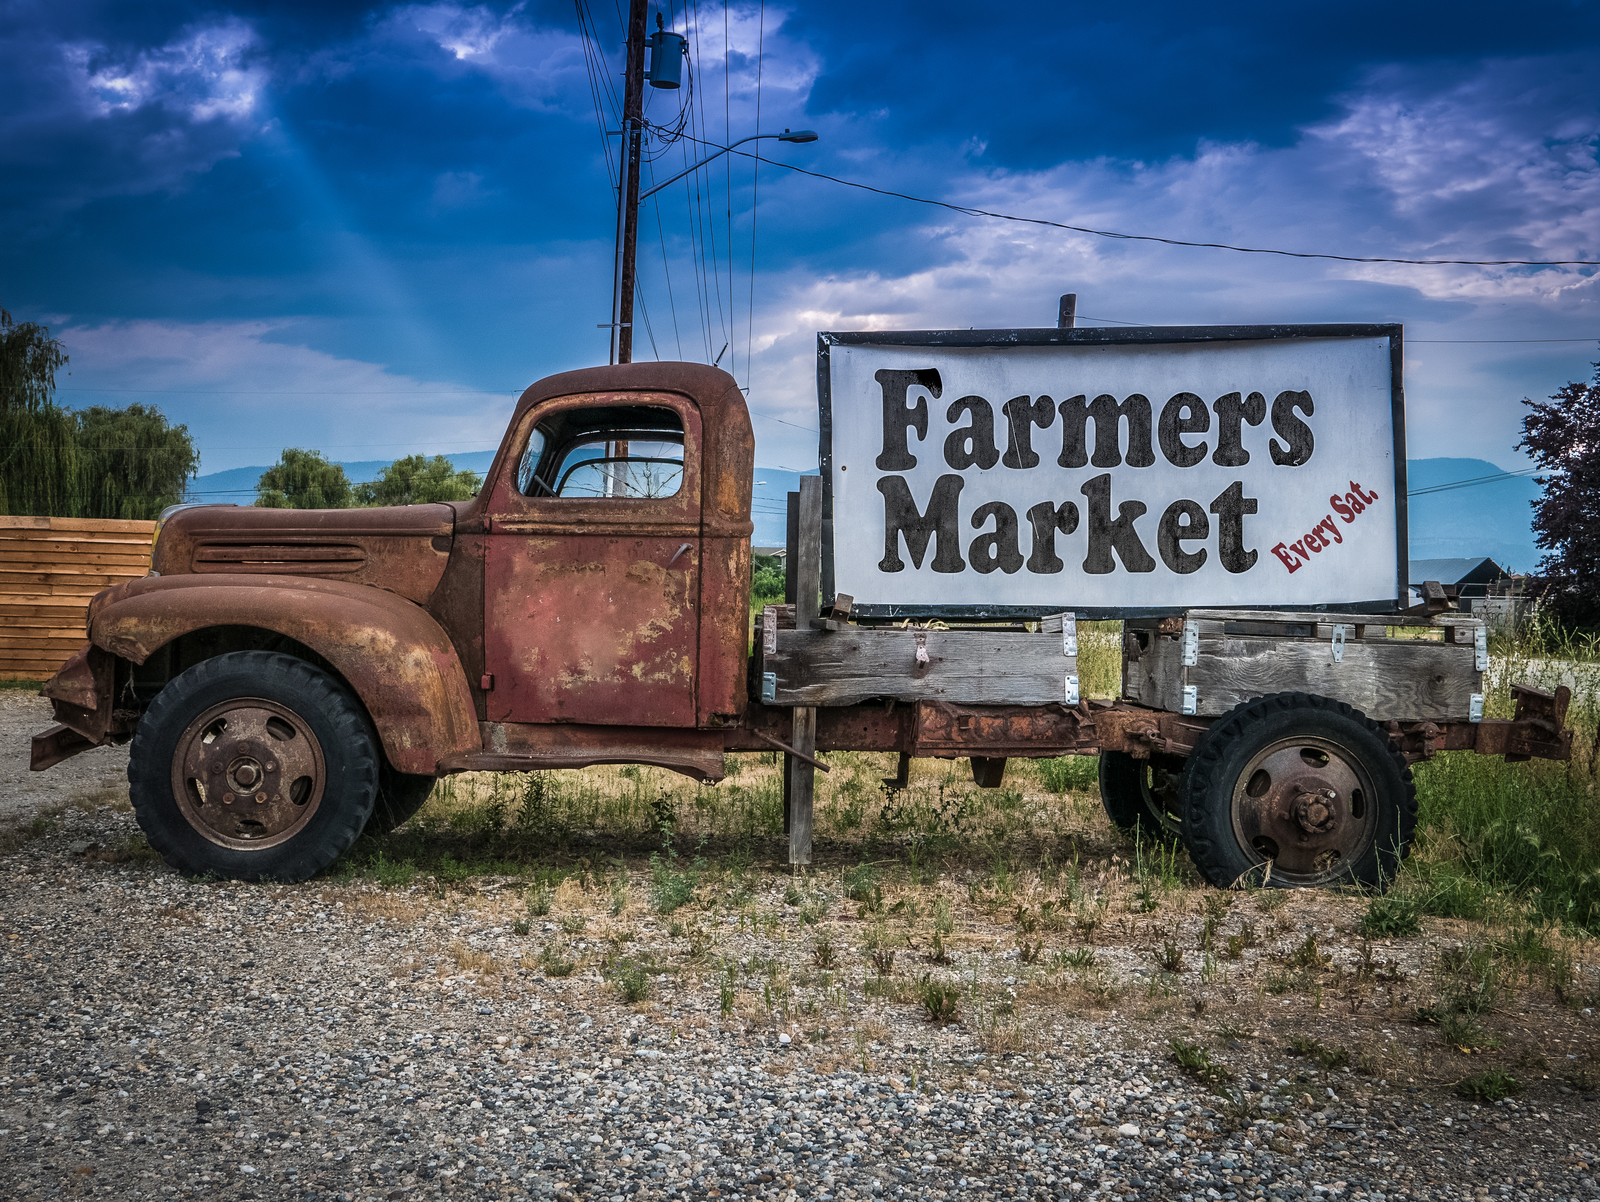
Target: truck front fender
(390,651)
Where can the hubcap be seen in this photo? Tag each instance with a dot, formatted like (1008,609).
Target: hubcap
(248,773)
(1308,806)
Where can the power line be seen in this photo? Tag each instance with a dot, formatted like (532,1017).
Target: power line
(755,193)
(970,211)
(1474,482)
(419,394)
(781,422)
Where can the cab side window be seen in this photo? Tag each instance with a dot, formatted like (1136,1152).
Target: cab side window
(612,452)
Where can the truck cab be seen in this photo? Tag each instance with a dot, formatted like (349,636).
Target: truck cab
(289,678)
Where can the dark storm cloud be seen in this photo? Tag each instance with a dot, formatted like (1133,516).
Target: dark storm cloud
(1037,84)
(401,193)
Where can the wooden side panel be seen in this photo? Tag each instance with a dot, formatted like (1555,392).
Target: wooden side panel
(967,667)
(1405,681)
(49,569)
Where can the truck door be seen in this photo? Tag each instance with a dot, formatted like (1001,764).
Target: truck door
(591,573)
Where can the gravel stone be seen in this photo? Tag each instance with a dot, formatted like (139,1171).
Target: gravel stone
(164,1038)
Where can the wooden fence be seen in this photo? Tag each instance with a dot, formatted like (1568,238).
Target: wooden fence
(49,568)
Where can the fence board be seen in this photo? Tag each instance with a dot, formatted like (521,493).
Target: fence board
(49,569)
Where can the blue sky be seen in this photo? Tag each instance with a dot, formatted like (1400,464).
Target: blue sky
(366,228)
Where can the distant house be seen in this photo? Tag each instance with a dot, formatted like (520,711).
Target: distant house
(1471,577)
(772,552)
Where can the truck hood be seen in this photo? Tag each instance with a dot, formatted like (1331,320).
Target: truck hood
(400,548)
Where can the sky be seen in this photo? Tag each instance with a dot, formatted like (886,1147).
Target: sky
(365,229)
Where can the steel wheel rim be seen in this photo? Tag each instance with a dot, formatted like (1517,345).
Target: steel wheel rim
(1308,805)
(248,774)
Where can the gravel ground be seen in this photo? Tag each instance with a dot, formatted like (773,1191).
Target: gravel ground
(166,1038)
(24,794)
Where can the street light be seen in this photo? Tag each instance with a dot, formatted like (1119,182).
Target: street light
(798,135)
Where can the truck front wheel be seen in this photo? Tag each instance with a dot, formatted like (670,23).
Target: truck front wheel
(253,766)
(1294,790)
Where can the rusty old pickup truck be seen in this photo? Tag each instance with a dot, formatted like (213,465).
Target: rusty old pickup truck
(290,678)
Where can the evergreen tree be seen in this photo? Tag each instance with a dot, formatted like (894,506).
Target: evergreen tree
(417,480)
(303,480)
(1560,434)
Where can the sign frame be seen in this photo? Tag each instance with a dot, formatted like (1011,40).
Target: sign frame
(1093,336)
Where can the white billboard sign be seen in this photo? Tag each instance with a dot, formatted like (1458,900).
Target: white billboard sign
(1018,472)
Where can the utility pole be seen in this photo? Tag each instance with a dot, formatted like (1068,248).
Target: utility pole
(1067,315)
(667,50)
(628,190)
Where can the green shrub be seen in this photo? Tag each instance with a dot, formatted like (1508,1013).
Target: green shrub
(673,890)
(554,963)
(824,955)
(633,982)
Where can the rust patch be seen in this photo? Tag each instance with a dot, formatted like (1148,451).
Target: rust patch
(647,573)
(394,655)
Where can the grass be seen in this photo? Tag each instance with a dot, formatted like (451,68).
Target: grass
(1490,834)
(1195,1060)
(1487,1088)
(1490,830)
(1321,1054)
(1392,916)
(941,1000)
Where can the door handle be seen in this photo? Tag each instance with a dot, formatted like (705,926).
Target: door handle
(678,552)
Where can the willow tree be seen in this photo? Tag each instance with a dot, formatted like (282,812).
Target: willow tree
(131,462)
(39,459)
(93,463)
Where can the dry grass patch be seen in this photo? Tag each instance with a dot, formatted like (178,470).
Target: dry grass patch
(470,959)
(386,905)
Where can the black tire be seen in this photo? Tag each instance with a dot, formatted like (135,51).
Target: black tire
(1143,796)
(253,720)
(1305,782)
(400,795)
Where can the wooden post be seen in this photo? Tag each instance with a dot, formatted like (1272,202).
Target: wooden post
(791,557)
(805,569)
(791,545)
(1067,314)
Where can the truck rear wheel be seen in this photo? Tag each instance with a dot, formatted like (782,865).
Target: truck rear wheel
(400,795)
(1143,795)
(1303,784)
(253,766)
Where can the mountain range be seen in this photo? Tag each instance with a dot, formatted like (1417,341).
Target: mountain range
(1489,519)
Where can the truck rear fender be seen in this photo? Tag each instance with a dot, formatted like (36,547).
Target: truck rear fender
(393,654)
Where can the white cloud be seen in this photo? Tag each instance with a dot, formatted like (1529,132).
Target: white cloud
(1494,161)
(207,73)
(535,67)
(245,393)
